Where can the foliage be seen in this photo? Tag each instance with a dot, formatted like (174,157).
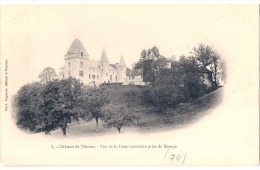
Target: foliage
(61,104)
(166,93)
(92,101)
(145,54)
(110,84)
(192,77)
(47,75)
(117,115)
(28,99)
(208,58)
(148,75)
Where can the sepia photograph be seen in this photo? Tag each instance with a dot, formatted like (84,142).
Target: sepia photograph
(130,84)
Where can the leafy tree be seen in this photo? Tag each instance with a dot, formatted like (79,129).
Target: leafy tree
(48,74)
(27,101)
(143,55)
(192,77)
(152,70)
(155,51)
(218,69)
(208,58)
(93,100)
(203,54)
(61,104)
(137,111)
(138,65)
(117,115)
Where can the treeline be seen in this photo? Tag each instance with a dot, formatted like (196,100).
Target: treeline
(44,107)
(183,80)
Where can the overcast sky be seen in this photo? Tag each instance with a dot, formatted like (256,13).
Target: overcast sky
(37,36)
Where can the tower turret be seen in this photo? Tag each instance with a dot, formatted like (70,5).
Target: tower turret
(104,67)
(121,67)
(75,61)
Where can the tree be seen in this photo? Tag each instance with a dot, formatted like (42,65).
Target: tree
(61,104)
(203,54)
(168,91)
(27,101)
(209,59)
(48,74)
(155,51)
(92,102)
(117,115)
(192,77)
(143,55)
(152,69)
(217,67)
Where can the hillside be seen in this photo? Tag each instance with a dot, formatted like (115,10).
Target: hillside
(183,115)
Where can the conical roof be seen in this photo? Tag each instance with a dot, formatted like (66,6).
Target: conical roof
(76,48)
(122,62)
(104,58)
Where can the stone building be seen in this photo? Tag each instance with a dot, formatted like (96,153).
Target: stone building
(90,72)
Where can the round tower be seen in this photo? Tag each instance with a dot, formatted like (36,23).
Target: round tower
(121,68)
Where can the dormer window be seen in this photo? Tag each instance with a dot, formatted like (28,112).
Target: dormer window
(81,54)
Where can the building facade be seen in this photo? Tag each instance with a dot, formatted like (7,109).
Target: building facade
(90,72)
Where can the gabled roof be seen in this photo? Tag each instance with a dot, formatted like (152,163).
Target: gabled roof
(151,56)
(112,68)
(122,62)
(162,58)
(104,58)
(76,48)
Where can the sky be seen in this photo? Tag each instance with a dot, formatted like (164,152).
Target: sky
(36,36)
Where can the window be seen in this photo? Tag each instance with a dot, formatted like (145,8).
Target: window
(81,64)
(81,53)
(106,74)
(97,76)
(69,73)
(89,75)
(116,77)
(110,77)
(81,73)
(129,77)
(93,76)
(69,64)
(133,77)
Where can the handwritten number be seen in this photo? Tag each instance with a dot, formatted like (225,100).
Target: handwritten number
(172,157)
(178,158)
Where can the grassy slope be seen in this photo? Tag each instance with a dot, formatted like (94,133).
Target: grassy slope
(152,121)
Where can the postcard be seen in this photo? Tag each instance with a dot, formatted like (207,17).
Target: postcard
(130,84)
